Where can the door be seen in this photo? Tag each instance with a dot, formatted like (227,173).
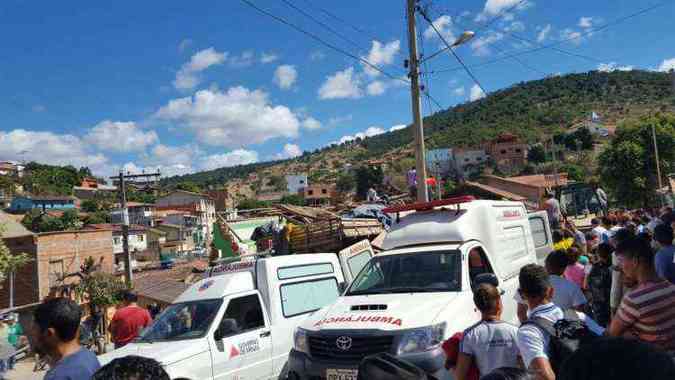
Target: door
(243,341)
(354,258)
(541,234)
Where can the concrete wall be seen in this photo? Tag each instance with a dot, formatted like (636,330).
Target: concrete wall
(137,241)
(295,183)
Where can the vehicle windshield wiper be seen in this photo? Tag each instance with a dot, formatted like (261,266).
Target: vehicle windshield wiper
(366,292)
(410,289)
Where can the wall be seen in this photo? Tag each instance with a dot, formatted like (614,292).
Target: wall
(295,183)
(137,241)
(68,250)
(25,279)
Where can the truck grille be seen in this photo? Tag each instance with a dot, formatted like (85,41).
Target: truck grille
(326,347)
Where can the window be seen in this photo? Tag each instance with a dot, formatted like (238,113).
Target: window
(324,191)
(479,159)
(243,314)
(538,229)
(357,262)
(117,241)
(466,160)
(518,150)
(310,192)
(140,237)
(302,182)
(187,320)
(308,296)
(287,273)
(503,151)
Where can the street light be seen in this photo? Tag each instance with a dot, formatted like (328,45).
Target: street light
(466,36)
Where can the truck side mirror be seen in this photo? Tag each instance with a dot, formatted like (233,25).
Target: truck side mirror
(227,327)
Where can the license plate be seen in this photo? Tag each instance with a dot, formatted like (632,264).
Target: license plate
(341,374)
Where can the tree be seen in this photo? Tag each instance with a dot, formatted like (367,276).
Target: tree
(250,203)
(97,217)
(277,182)
(536,154)
(89,205)
(367,177)
(627,165)
(188,186)
(9,262)
(293,199)
(345,183)
(37,221)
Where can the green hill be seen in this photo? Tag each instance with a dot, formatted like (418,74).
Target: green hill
(531,110)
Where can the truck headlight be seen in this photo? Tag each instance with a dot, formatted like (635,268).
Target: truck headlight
(422,339)
(300,341)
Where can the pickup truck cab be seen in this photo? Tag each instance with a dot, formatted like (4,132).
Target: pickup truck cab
(238,322)
(417,293)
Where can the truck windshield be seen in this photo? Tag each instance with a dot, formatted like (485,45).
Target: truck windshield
(407,273)
(179,321)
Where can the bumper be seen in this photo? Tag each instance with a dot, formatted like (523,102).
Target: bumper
(303,367)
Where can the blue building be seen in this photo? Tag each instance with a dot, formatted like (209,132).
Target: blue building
(296,183)
(49,202)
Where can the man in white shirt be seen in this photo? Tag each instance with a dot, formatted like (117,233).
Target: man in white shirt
(490,343)
(566,294)
(599,231)
(533,342)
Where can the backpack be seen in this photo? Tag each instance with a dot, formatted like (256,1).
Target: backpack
(565,336)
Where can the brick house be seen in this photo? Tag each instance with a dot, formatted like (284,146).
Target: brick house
(319,194)
(52,255)
(507,151)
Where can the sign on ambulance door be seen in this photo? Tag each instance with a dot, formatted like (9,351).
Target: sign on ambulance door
(354,258)
(245,352)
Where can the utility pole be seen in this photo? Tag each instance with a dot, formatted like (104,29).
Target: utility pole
(658,165)
(128,270)
(555,162)
(422,194)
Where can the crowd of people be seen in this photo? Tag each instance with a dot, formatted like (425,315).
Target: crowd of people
(600,297)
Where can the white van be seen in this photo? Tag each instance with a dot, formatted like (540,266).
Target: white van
(410,298)
(238,323)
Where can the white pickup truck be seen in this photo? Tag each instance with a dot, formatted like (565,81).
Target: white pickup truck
(410,298)
(238,323)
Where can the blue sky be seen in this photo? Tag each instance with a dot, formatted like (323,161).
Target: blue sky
(186,86)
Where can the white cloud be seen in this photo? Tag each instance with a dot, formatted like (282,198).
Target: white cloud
(370,132)
(184,44)
(341,85)
(481,45)
(119,136)
(50,148)
(188,75)
(444,26)
(285,76)
(39,108)
(268,57)
(516,26)
(476,93)
(311,123)
(543,33)
(244,60)
(290,151)
(376,88)
(667,65)
(495,7)
(381,55)
(233,158)
(317,55)
(335,121)
(459,91)
(612,66)
(586,22)
(571,35)
(397,127)
(235,117)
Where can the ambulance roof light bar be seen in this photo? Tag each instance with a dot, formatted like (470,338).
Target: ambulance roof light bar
(426,206)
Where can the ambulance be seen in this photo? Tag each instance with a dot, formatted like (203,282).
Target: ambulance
(417,293)
(238,322)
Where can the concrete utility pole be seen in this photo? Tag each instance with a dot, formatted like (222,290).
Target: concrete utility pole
(422,194)
(658,165)
(128,270)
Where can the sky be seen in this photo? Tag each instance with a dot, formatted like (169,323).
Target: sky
(190,86)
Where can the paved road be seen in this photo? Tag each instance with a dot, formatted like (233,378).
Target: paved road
(24,371)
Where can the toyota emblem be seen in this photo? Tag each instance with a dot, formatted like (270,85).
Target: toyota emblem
(344,343)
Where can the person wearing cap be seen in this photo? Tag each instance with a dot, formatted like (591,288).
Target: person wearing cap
(128,321)
(533,343)
(648,310)
(490,343)
(665,266)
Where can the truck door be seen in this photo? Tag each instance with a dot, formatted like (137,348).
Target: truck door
(243,341)
(354,258)
(541,234)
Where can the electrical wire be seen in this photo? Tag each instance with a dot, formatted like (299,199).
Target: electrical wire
(557,43)
(321,41)
(466,68)
(499,15)
(322,24)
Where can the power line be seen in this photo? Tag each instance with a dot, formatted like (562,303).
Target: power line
(341,20)
(466,68)
(321,41)
(548,46)
(500,15)
(322,24)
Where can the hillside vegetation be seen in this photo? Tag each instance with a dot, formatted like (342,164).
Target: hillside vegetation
(532,110)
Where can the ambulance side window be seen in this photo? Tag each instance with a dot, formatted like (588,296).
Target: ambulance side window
(242,314)
(478,263)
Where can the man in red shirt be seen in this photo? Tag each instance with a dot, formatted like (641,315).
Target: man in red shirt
(128,321)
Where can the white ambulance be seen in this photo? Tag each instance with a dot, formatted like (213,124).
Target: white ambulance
(417,293)
(238,323)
